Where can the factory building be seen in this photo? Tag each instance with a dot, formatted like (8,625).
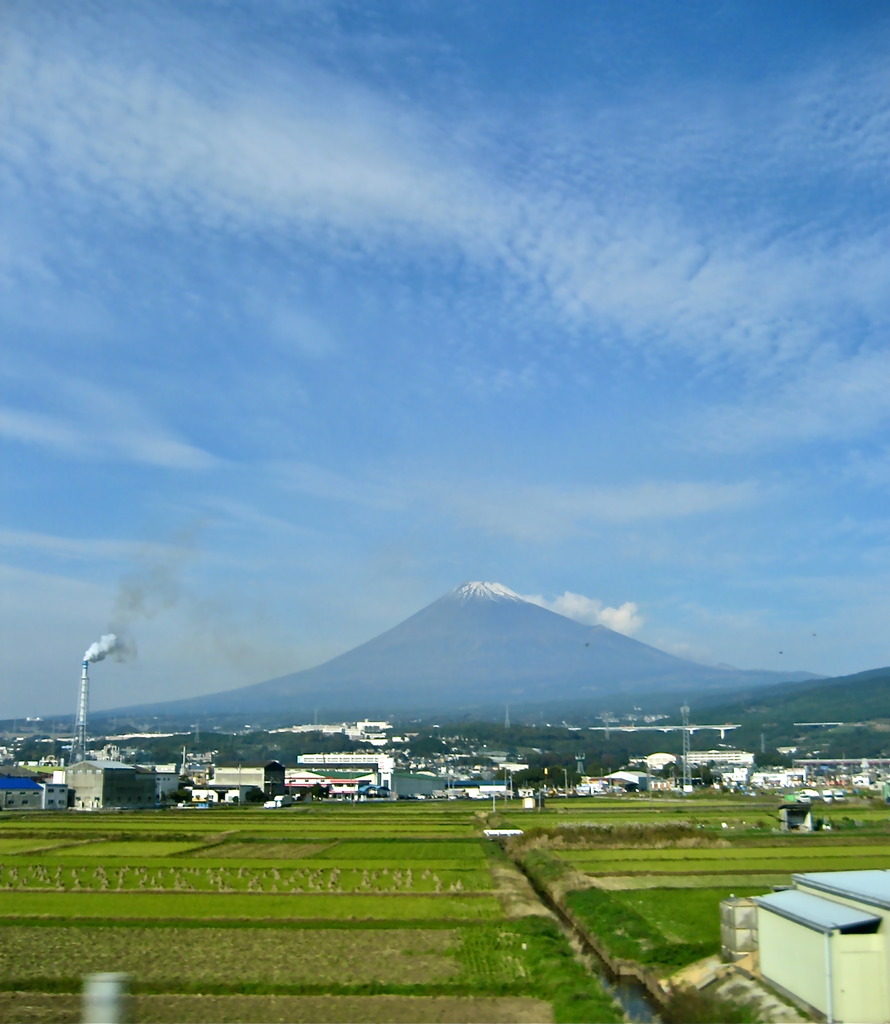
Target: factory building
(99,784)
(267,777)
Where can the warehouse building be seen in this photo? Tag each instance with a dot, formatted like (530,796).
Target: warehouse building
(824,942)
(417,784)
(99,784)
(241,776)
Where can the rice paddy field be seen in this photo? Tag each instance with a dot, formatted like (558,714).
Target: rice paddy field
(329,912)
(383,912)
(645,878)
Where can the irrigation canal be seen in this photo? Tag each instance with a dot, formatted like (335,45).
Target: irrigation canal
(634,997)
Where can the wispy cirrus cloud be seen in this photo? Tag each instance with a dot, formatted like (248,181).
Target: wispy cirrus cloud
(320,482)
(831,400)
(86,549)
(539,513)
(110,428)
(302,149)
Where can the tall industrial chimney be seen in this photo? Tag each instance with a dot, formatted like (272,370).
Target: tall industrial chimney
(79,743)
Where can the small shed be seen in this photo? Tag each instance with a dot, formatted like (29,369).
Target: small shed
(796,817)
(824,943)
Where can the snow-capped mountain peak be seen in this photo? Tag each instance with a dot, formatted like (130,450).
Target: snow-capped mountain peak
(486,592)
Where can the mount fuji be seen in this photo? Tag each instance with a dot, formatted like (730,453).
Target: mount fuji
(474,650)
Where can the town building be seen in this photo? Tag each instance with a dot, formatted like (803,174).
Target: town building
(383,764)
(18,793)
(166,780)
(55,793)
(333,782)
(778,778)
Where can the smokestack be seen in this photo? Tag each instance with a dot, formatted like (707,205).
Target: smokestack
(79,743)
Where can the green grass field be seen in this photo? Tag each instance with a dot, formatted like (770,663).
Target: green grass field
(783,860)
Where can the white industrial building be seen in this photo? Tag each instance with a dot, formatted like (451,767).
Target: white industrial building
(720,757)
(778,778)
(383,764)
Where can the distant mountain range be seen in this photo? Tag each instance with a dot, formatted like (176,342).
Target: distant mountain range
(474,651)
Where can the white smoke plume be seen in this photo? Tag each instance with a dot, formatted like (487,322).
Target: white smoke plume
(107,644)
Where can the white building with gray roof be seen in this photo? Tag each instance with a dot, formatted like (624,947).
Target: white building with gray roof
(824,942)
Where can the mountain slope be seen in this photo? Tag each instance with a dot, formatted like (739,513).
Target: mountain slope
(479,647)
(864,696)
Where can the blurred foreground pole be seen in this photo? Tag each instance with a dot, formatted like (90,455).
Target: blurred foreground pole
(105,999)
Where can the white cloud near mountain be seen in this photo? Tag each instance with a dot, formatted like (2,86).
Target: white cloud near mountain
(626,618)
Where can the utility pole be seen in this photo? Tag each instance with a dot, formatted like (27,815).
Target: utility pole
(687,780)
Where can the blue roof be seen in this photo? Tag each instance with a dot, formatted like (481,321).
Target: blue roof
(17,782)
(817,913)
(872,886)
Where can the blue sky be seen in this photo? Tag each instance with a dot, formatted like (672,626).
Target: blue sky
(314,311)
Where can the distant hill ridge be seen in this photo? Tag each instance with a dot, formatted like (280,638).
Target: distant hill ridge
(861,697)
(472,651)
